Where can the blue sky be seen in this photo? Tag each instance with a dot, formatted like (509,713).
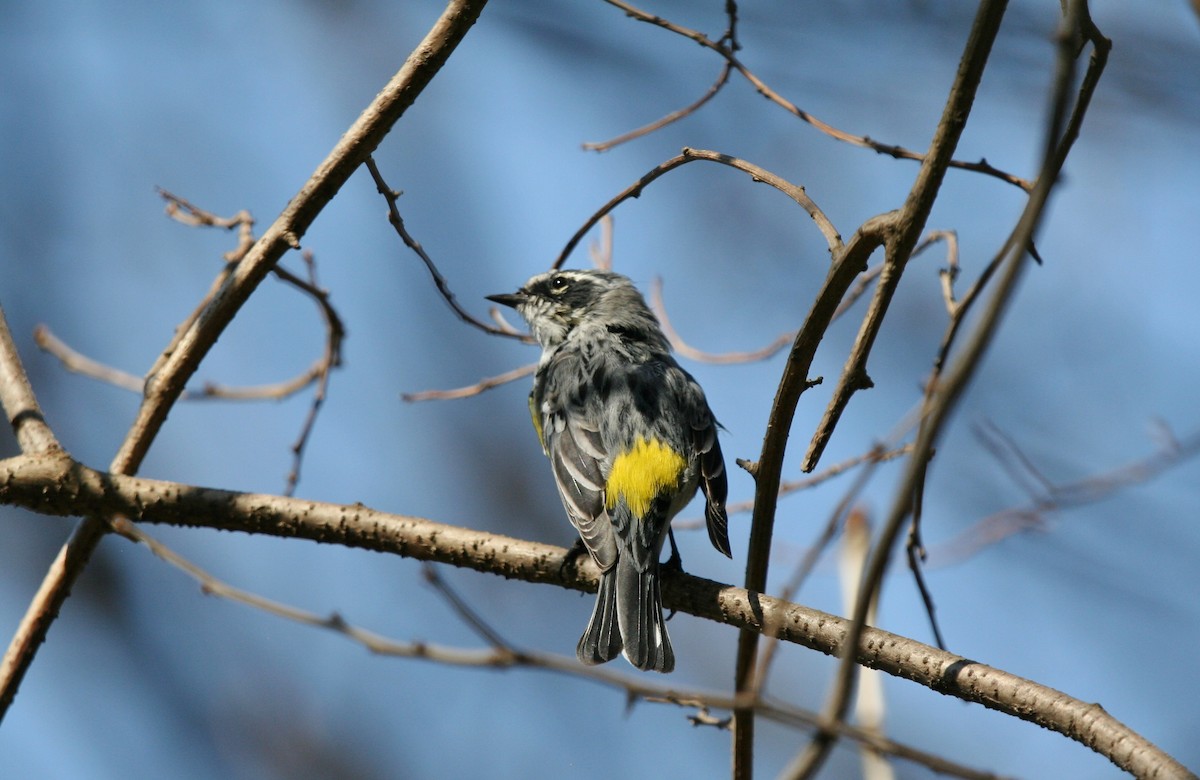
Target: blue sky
(233,105)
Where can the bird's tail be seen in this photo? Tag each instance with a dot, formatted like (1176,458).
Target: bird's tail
(639,615)
(601,641)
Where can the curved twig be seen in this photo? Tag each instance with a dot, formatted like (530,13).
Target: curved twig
(178,362)
(658,124)
(690,352)
(470,390)
(687,155)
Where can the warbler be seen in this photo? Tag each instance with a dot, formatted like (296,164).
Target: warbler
(630,437)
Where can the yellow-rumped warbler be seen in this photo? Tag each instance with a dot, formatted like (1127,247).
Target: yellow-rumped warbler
(630,437)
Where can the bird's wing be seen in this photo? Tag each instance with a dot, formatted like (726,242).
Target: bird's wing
(713,480)
(577,454)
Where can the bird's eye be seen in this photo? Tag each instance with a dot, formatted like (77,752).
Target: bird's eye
(558,284)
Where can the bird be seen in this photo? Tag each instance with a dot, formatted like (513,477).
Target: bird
(630,438)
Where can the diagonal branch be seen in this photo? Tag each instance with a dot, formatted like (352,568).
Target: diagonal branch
(848,262)
(911,219)
(944,397)
(179,361)
(658,124)
(443,287)
(20,404)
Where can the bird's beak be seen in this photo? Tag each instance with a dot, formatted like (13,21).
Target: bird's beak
(508,299)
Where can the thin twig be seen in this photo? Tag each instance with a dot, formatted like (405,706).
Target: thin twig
(674,116)
(690,352)
(475,389)
(78,363)
(187,213)
(730,39)
(464,610)
(178,362)
(728,53)
(688,155)
(1012,459)
(988,531)
(443,287)
(332,358)
(949,390)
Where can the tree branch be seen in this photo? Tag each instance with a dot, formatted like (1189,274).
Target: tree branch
(910,224)
(20,404)
(55,484)
(686,156)
(944,397)
(848,262)
(179,360)
(727,51)
(502,655)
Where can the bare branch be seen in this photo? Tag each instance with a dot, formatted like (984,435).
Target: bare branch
(332,358)
(475,389)
(1057,497)
(335,333)
(690,352)
(179,361)
(728,53)
(848,262)
(188,213)
(503,656)
(79,363)
(670,118)
(392,196)
(854,375)
(20,404)
(688,155)
(910,222)
(946,395)
(55,484)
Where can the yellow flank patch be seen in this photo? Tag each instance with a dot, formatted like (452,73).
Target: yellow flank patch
(640,474)
(536,416)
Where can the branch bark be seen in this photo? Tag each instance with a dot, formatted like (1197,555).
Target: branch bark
(57,485)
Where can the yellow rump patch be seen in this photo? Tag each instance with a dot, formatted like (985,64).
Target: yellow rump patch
(640,474)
